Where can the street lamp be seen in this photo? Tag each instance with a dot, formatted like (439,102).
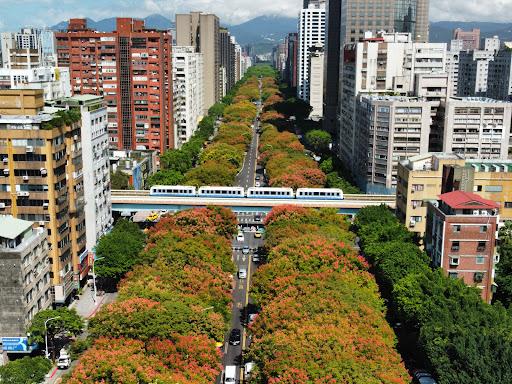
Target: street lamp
(46,335)
(94,277)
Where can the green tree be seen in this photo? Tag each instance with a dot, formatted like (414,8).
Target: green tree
(119,180)
(165,177)
(504,267)
(179,160)
(119,250)
(67,322)
(28,370)
(318,140)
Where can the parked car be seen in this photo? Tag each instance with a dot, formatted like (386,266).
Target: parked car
(242,273)
(230,374)
(240,236)
(257,177)
(255,257)
(423,377)
(245,250)
(257,218)
(64,360)
(257,235)
(235,336)
(257,184)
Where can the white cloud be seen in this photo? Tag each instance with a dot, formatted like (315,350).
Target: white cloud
(471,10)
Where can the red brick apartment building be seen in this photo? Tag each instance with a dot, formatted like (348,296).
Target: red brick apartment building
(461,236)
(131,68)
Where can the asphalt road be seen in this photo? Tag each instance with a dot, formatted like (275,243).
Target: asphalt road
(246,176)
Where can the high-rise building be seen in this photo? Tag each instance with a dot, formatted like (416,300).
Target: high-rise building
(202,32)
(311,32)
(187,69)
(348,22)
(43,181)
(24,275)
(499,81)
(316,81)
(461,238)
(96,167)
(473,72)
(470,39)
(383,64)
(477,127)
(131,68)
(292,59)
(227,60)
(426,176)
(389,129)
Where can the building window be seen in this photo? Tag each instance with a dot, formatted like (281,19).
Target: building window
(481,246)
(493,188)
(478,277)
(478,188)
(453,275)
(454,261)
(417,187)
(456,228)
(508,204)
(455,246)
(483,228)
(480,259)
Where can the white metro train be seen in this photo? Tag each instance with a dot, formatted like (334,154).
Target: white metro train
(252,193)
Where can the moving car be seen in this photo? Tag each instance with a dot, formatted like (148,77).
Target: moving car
(255,257)
(422,377)
(240,236)
(257,177)
(257,184)
(230,374)
(64,360)
(245,250)
(235,336)
(242,273)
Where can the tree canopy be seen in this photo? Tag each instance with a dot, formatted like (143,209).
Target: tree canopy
(28,370)
(321,318)
(118,251)
(458,336)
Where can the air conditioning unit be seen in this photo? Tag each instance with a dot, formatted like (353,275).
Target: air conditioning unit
(2,205)
(30,148)
(45,205)
(476,212)
(25,178)
(6,171)
(5,160)
(484,213)
(496,258)
(454,261)
(23,194)
(42,223)
(43,171)
(75,137)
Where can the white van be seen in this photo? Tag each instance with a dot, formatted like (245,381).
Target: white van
(230,374)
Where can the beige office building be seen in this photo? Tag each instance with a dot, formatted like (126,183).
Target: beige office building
(201,31)
(42,181)
(425,177)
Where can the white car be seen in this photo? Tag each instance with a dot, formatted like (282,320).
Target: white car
(242,273)
(240,236)
(257,184)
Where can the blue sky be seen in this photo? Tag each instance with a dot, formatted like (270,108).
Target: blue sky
(17,13)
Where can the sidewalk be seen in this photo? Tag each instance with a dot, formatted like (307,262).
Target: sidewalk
(86,307)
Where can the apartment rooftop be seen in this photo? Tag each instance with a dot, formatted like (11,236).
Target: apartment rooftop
(25,119)
(391,98)
(424,162)
(11,228)
(486,100)
(466,200)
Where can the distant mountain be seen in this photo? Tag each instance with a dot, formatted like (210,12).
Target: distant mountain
(154,21)
(262,33)
(442,31)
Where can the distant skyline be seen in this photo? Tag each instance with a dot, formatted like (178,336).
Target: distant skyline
(18,13)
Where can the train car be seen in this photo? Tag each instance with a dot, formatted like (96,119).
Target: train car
(172,190)
(231,192)
(319,194)
(270,193)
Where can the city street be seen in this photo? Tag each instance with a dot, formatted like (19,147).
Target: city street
(233,354)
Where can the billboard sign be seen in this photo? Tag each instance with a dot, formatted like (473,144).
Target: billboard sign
(17,344)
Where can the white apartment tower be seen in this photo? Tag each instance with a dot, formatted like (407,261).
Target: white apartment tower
(473,72)
(96,167)
(477,127)
(388,129)
(383,64)
(188,73)
(316,81)
(311,32)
